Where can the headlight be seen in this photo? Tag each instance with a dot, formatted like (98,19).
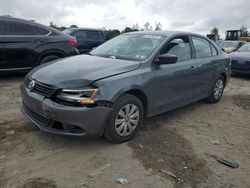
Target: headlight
(84,97)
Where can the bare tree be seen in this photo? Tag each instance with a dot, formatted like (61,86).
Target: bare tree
(148,27)
(158,26)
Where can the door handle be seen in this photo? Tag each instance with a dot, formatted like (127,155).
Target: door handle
(192,68)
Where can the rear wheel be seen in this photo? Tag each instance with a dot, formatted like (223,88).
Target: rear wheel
(126,119)
(217,90)
(48,58)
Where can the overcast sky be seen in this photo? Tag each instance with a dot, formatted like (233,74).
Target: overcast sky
(198,16)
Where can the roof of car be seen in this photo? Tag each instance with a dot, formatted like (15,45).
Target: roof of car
(164,33)
(33,22)
(17,19)
(86,29)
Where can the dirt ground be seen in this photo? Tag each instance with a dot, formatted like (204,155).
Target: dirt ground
(174,149)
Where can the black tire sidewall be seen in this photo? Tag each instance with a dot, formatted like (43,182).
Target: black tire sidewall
(212,99)
(48,58)
(110,129)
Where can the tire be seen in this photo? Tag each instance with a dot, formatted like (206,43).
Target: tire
(217,90)
(126,119)
(48,58)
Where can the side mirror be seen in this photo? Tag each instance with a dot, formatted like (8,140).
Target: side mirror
(167,59)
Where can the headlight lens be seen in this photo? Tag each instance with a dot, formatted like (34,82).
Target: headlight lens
(84,97)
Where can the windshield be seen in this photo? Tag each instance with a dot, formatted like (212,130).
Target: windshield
(244,48)
(228,44)
(129,47)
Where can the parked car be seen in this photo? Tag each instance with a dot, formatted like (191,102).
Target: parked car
(132,76)
(241,60)
(26,44)
(87,39)
(230,46)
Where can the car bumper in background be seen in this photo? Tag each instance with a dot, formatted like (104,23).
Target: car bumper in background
(56,118)
(240,67)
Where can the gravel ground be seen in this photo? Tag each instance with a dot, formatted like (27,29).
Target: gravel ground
(174,149)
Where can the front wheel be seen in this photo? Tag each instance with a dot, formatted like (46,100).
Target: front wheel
(217,90)
(125,120)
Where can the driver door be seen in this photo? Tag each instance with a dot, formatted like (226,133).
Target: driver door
(176,84)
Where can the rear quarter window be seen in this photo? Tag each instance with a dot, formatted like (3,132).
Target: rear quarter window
(214,50)
(43,31)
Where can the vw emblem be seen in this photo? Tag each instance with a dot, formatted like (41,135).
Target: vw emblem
(31,85)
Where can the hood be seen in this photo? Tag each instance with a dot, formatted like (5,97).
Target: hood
(245,56)
(80,71)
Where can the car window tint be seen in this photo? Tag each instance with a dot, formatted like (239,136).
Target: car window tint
(214,51)
(43,31)
(202,47)
(80,34)
(19,28)
(179,47)
(93,34)
(3,25)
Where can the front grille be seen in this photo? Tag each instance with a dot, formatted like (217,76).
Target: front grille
(40,88)
(37,117)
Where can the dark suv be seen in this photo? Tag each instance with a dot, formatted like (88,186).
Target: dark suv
(87,39)
(26,44)
(132,76)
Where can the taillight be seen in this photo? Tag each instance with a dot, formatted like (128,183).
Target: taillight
(73,42)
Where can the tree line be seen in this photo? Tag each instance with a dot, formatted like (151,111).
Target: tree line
(115,32)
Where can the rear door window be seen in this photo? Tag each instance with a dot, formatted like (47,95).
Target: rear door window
(202,47)
(19,28)
(80,34)
(93,35)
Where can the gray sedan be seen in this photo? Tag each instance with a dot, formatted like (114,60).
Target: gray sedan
(136,75)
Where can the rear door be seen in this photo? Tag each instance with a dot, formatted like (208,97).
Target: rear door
(3,26)
(21,42)
(207,61)
(93,39)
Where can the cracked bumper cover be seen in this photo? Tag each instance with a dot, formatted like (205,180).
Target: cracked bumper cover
(91,121)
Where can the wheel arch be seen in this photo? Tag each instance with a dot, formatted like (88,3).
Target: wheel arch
(58,53)
(224,75)
(137,92)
